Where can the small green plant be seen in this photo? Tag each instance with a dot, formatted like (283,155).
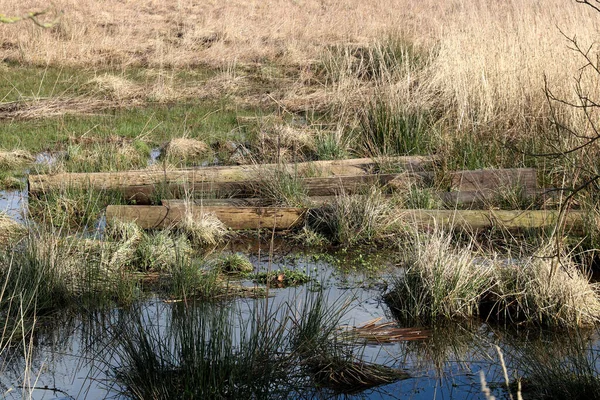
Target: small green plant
(234,264)
(283,277)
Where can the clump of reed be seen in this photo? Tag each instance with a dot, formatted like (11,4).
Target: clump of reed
(279,352)
(185,151)
(282,187)
(354,219)
(440,280)
(203,230)
(445,281)
(547,288)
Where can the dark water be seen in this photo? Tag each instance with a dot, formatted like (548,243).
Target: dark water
(72,353)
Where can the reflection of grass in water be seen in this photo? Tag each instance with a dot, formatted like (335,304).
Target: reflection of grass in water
(558,366)
(276,352)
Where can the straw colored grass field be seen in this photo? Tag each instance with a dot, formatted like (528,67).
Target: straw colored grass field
(479,67)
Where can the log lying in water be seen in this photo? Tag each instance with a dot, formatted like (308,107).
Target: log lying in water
(481,219)
(237,218)
(165,216)
(193,176)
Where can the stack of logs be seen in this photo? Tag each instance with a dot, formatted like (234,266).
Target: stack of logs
(229,193)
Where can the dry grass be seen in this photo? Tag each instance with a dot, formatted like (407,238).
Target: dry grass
(203,230)
(15,159)
(114,87)
(548,291)
(54,107)
(480,63)
(181,149)
(10,230)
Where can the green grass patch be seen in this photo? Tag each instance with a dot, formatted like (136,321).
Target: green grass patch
(283,277)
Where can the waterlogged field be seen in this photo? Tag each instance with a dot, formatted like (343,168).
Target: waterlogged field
(103,353)
(299,199)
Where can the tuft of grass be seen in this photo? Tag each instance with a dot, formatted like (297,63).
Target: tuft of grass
(440,280)
(547,290)
(282,188)
(185,151)
(354,219)
(203,230)
(159,251)
(71,207)
(388,129)
(10,160)
(10,230)
(333,145)
(235,263)
(112,156)
(56,271)
(446,281)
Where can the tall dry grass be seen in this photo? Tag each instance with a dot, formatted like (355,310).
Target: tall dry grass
(486,60)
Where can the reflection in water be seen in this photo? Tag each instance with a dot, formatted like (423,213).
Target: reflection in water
(79,354)
(14,204)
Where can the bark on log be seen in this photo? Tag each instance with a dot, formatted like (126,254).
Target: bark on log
(193,176)
(152,217)
(495,179)
(480,219)
(237,218)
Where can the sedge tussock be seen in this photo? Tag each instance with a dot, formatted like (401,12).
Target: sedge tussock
(114,87)
(204,229)
(185,149)
(10,230)
(549,291)
(15,159)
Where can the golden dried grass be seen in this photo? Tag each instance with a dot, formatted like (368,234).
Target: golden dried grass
(15,159)
(487,60)
(185,149)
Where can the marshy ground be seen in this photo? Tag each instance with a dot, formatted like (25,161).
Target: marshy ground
(95,307)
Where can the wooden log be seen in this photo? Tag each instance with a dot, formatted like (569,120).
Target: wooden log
(237,218)
(314,201)
(193,176)
(153,217)
(494,179)
(326,186)
(470,199)
(481,219)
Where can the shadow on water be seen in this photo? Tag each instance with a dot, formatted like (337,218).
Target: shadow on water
(287,346)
